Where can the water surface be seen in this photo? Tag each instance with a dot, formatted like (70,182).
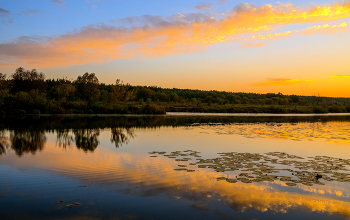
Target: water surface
(188,167)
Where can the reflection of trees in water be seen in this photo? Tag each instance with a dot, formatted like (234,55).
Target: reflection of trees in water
(4,144)
(86,139)
(27,141)
(64,138)
(118,137)
(2,149)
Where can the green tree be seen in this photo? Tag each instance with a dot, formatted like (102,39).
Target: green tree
(4,91)
(87,87)
(37,99)
(34,100)
(275,100)
(62,91)
(121,92)
(245,100)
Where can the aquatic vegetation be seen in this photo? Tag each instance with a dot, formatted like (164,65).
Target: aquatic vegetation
(254,167)
(73,204)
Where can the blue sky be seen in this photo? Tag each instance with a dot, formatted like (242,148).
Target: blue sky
(47,18)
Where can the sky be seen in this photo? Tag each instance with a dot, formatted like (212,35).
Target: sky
(260,46)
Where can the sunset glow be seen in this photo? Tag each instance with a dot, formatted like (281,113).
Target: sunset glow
(261,46)
(240,196)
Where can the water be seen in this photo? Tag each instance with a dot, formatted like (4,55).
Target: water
(175,167)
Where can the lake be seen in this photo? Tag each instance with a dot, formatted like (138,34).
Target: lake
(177,166)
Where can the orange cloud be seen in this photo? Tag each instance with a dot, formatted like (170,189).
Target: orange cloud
(154,36)
(341,76)
(316,29)
(280,82)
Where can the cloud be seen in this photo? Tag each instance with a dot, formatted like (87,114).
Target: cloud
(317,29)
(252,45)
(93,6)
(154,36)
(179,15)
(57,2)
(220,2)
(29,11)
(203,6)
(280,82)
(326,28)
(5,16)
(4,12)
(341,76)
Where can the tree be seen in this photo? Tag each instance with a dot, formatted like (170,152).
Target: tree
(121,92)
(62,90)
(26,80)
(29,101)
(145,93)
(38,99)
(87,87)
(245,100)
(3,88)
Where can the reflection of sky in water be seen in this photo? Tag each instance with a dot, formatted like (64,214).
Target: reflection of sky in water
(334,132)
(139,185)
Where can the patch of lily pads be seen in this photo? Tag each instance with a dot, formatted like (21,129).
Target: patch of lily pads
(254,167)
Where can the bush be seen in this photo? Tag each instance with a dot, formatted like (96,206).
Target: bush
(54,108)
(22,112)
(150,109)
(36,112)
(319,110)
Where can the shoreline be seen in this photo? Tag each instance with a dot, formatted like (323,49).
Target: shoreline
(194,114)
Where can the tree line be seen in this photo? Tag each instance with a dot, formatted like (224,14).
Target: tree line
(28,92)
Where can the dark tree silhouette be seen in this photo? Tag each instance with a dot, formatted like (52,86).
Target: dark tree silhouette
(26,80)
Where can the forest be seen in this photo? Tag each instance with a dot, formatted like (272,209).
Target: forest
(29,92)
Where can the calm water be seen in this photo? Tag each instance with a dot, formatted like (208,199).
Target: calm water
(175,167)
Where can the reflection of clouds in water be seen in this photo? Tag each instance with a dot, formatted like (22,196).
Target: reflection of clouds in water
(338,190)
(156,176)
(334,132)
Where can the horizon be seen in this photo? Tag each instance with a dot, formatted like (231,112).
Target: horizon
(295,47)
